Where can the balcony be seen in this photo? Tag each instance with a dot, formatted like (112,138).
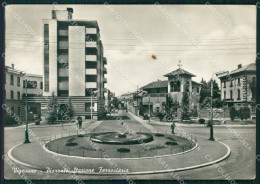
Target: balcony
(63,45)
(62,32)
(63,85)
(105,70)
(91,71)
(63,72)
(105,80)
(91,30)
(91,44)
(91,85)
(91,57)
(154,98)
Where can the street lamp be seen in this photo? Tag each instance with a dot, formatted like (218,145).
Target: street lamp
(26,116)
(211,138)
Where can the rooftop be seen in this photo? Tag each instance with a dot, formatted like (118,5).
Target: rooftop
(156,84)
(161,84)
(179,71)
(249,67)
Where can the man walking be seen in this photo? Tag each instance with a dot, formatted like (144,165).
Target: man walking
(79,122)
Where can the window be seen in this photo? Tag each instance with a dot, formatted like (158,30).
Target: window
(18,95)
(87,107)
(238,94)
(41,85)
(11,80)
(19,111)
(238,81)
(31,84)
(12,95)
(231,94)
(12,110)
(175,86)
(18,81)
(231,83)
(224,84)
(224,94)
(91,78)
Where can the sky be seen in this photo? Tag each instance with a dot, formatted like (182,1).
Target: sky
(142,42)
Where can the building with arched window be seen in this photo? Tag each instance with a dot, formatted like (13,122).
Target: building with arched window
(179,82)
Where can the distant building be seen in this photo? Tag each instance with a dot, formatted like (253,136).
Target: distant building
(239,87)
(179,82)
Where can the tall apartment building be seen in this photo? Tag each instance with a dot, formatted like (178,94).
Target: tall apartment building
(74,64)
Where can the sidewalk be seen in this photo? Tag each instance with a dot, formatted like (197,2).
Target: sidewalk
(45,124)
(156,121)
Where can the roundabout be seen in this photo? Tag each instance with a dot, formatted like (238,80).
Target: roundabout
(191,158)
(114,145)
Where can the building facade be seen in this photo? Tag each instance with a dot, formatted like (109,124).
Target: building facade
(74,64)
(15,91)
(179,82)
(238,87)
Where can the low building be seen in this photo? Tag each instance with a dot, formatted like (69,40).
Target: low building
(14,89)
(238,87)
(179,82)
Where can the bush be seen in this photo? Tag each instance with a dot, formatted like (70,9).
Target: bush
(160,115)
(232,111)
(202,121)
(9,120)
(244,113)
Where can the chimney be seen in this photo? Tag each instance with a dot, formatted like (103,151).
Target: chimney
(239,66)
(12,66)
(70,12)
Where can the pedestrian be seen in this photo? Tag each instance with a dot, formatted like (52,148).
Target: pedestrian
(172,127)
(79,122)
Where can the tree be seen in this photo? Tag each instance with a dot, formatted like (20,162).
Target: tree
(185,114)
(52,109)
(232,112)
(205,92)
(171,107)
(69,109)
(115,102)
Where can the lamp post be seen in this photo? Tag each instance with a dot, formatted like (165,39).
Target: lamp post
(211,138)
(26,116)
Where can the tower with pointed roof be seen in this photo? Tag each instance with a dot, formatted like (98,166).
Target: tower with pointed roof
(179,82)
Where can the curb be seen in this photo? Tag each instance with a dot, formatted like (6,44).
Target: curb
(133,173)
(93,158)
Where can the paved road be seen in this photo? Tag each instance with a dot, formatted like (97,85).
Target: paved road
(240,164)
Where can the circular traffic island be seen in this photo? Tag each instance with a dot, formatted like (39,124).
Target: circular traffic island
(120,145)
